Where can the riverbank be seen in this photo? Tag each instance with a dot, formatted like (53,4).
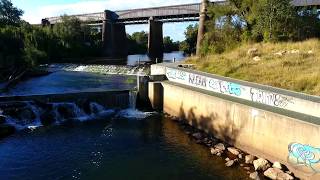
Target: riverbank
(288,65)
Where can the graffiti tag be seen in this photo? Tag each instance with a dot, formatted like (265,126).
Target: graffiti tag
(306,155)
(177,75)
(269,98)
(197,80)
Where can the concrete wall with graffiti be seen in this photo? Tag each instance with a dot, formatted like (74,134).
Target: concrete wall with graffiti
(245,92)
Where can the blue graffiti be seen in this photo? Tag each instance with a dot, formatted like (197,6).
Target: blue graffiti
(235,89)
(230,88)
(305,155)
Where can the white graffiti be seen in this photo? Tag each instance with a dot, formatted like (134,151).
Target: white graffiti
(269,98)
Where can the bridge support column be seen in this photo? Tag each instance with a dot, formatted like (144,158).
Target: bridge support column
(114,37)
(202,21)
(155,40)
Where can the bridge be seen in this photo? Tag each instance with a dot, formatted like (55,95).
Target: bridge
(113,23)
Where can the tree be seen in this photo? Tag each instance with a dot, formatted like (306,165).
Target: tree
(189,45)
(138,42)
(169,45)
(9,15)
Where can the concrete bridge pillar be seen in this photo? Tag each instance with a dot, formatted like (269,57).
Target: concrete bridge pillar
(155,40)
(202,21)
(114,37)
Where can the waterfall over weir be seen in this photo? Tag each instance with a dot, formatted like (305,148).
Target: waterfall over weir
(33,111)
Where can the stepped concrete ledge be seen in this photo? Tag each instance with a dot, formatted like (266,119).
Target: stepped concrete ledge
(109,99)
(268,122)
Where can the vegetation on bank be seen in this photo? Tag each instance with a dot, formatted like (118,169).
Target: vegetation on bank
(265,41)
(289,65)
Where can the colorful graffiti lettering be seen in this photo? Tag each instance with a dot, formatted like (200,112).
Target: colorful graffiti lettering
(177,75)
(268,98)
(197,80)
(306,155)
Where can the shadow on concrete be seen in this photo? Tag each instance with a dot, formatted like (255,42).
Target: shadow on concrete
(221,127)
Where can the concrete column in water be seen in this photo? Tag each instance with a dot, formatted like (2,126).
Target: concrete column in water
(155,40)
(114,38)
(202,21)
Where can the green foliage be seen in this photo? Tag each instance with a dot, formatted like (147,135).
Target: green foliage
(9,15)
(189,45)
(138,43)
(255,21)
(169,45)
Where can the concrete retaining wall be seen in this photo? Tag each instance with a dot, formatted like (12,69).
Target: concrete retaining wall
(288,133)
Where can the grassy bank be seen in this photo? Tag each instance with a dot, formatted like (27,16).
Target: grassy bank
(293,66)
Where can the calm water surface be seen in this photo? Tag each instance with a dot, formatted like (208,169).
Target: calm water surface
(115,148)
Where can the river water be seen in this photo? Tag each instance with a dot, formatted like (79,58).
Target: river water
(120,144)
(115,148)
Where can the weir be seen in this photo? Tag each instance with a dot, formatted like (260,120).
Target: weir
(268,122)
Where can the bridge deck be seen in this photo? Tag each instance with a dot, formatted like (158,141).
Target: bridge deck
(177,13)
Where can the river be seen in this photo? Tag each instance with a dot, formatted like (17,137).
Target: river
(122,144)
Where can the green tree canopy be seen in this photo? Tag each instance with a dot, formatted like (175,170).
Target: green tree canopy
(9,15)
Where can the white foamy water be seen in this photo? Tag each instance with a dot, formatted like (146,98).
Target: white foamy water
(101,69)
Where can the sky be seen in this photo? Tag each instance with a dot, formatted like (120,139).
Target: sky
(35,10)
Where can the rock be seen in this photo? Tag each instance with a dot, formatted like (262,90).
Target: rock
(240,156)
(280,53)
(47,118)
(247,168)
(310,52)
(227,159)
(197,135)
(234,151)
(2,119)
(252,52)
(249,159)
(218,154)
(295,51)
(257,58)
(261,164)
(220,147)
(214,151)
(6,130)
(277,174)
(230,163)
(198,141)
(277,165)
(254,175)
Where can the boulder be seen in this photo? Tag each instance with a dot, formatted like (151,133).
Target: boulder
(230,163)
(254,175)
(240,156)
(261,164)
(249,159)
(234,151)
(2,119)
(280,53)
(277,174)
(257,58)
(197,135)
(252,52)
(6,130)
(310,52)
(220,147)
(48,118)
(294,51)
(277,165)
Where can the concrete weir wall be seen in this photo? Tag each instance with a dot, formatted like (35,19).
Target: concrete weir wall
(110,99)
(276,124)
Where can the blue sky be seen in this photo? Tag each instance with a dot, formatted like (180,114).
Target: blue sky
(35,10)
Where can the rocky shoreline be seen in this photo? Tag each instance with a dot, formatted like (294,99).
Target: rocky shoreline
(257,168)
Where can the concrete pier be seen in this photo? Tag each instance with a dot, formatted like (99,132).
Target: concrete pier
(114,38)
(155,40)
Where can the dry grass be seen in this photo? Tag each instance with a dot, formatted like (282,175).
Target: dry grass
(298,69)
